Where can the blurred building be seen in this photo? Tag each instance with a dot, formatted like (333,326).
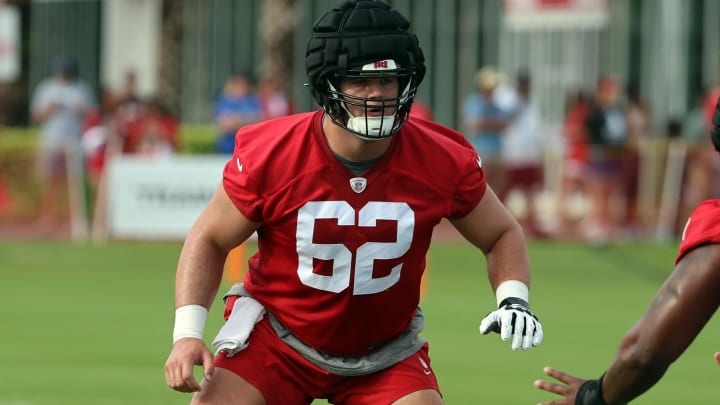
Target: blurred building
(182,50)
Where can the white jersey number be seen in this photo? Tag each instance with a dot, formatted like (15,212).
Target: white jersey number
(341,256)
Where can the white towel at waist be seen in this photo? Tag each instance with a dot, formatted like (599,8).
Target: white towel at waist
(233,336)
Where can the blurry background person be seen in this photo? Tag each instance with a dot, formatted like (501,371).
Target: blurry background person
(572,194)
(128,108)
(637,115)
(420,109)
(238,105)
(59,104)
(156,133)
(607,131)
(695,125)
(274,102)
(96,136)
(486,114)
(522,156)
(711,95)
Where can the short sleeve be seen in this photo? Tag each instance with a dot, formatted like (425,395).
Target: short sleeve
(242,188)
(470,188)
(701,228)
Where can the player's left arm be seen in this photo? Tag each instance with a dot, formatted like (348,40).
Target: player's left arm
(492,228)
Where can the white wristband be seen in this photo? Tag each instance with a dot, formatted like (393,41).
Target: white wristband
(512,288)
(189,322)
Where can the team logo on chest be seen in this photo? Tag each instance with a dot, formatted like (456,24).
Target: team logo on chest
(358,184)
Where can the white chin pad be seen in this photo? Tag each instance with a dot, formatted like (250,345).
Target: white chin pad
(372,126)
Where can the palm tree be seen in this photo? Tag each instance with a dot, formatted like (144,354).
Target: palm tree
(276,28)
(170,78)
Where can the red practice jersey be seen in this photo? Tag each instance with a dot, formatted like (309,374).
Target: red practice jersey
(701,228)
(341,256)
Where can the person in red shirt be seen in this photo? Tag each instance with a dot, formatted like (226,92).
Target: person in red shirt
(344,201)
(575,163)
(421,110)
(156,132)
(713,92)
(683,305)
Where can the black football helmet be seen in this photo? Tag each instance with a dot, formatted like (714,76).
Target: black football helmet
(364,38)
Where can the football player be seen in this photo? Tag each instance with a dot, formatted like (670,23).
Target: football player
(344,201)
(681,308)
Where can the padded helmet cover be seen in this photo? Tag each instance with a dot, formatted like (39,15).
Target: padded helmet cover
(355,33)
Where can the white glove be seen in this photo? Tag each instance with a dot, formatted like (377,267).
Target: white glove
(514,318)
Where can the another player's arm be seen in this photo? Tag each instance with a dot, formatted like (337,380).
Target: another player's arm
(681,308)
(218,229)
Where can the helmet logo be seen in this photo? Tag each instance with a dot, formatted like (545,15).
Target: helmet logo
(380,65)
(358,184)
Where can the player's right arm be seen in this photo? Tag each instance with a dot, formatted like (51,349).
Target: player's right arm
(492,228)
(218,229)
(680,309)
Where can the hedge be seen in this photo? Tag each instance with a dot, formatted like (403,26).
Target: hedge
(17,162)
(194,139)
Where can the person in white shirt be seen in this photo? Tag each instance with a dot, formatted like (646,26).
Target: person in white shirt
(522,154)
(59,104)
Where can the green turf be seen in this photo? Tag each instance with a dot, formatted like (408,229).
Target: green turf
(85,324)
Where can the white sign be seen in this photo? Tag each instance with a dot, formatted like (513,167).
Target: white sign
(555,14)
(9,43)
(159,198)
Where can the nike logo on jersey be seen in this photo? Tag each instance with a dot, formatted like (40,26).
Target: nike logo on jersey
(239,165)
(479,162)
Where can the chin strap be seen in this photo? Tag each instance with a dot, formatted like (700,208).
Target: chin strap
(374,127)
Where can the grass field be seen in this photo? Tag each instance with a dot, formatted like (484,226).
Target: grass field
(84,324)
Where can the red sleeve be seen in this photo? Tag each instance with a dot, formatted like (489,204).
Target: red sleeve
(241,187)
(702,228)
(465,164)
(471,187)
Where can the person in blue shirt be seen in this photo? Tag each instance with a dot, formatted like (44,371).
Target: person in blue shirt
(238,105)
(487,112)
